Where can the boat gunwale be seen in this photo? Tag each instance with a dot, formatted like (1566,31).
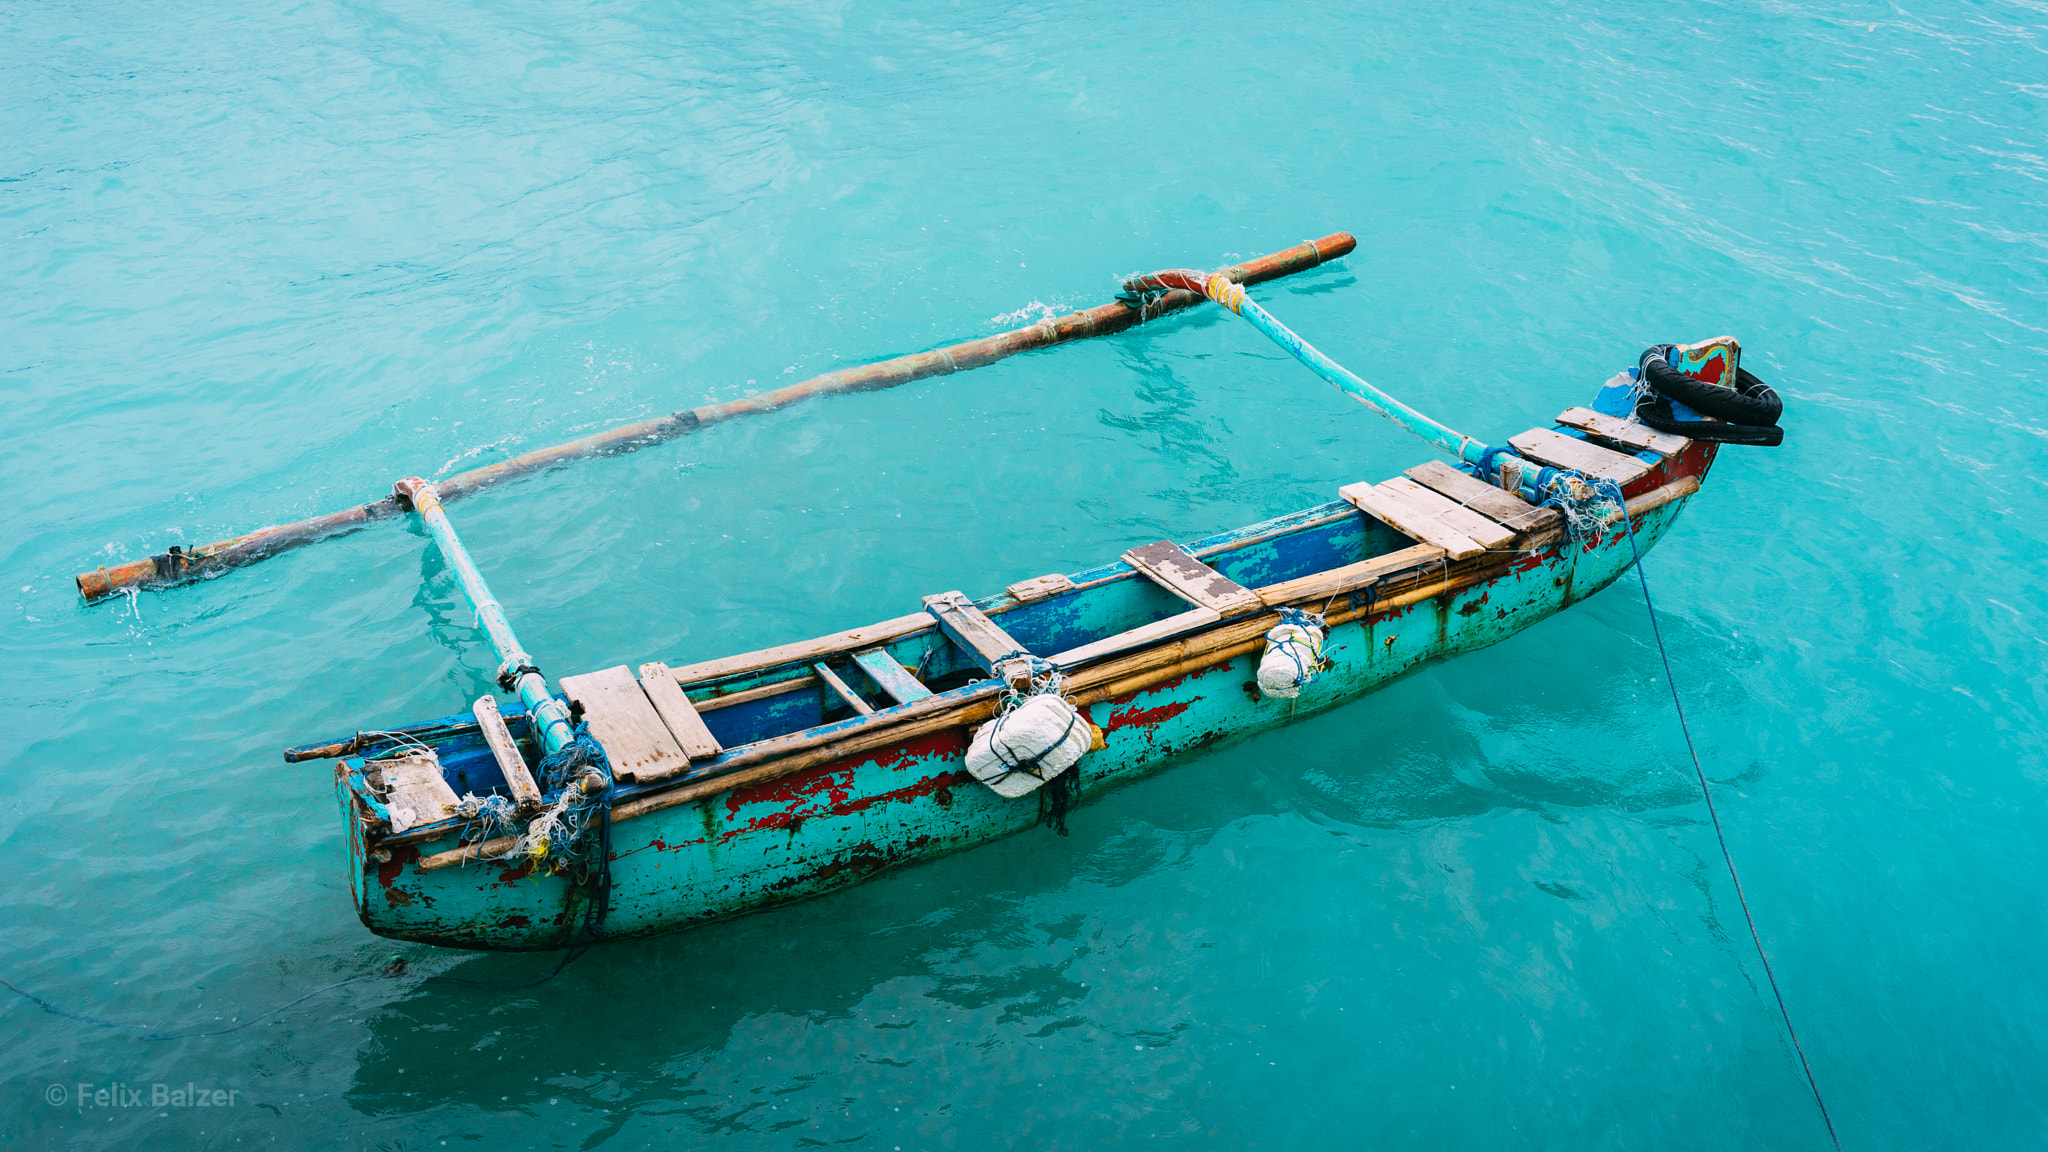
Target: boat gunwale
(1112,676)
(716,673)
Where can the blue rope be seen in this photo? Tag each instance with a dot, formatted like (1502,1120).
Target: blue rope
(1303,671)
(1722,837)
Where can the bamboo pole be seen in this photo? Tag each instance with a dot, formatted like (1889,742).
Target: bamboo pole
(181,564)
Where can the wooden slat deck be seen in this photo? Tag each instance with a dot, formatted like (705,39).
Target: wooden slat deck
(1502,507)
(1627,433)
(1409,520)
(1560,451)
(1171,567)
(635,739)
(1489,534)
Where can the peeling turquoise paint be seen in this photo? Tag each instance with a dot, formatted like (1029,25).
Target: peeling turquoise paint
(840,822)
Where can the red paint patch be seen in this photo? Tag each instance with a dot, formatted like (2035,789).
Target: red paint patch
(947,742)
(515,875)
(388,872)
(398,896)
(1147,717)
(793,789)
(796,795)
(939,786)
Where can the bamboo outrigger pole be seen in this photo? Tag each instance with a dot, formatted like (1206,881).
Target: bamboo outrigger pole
(181,564)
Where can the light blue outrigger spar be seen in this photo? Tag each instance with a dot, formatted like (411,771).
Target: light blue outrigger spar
(517,672)
(1536,483)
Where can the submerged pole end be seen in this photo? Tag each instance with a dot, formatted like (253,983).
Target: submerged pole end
(94,584)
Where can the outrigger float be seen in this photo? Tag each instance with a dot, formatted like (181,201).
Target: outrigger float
(641,799)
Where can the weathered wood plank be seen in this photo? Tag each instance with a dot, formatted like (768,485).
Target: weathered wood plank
(676,711)
(1039,587)
(1495,504)
(804,651)
(518,777)
(1628,433)
(415,791)
(843,690)
(1459,518)
(883,669)
(1410,521)
(1138,637)
(975,633)
(1168,565)
(635,739)
(1560,451)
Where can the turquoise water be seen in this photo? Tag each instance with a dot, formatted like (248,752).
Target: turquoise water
(261,261)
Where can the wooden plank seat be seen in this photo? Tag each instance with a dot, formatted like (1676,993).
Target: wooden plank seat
(1139,637)
(525,793)
(1635,437)
(1039,587)
(1171,567)
(842,690)
(1560,451)
(676,711)
(883,669)
(979,637)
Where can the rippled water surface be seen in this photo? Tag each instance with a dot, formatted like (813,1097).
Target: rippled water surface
(258,261)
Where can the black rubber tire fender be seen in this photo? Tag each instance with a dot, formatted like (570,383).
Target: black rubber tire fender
(1656,412)
(1751,401)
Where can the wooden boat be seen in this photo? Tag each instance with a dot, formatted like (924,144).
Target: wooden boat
(740,783)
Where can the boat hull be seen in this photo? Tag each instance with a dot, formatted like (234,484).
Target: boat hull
(836,823)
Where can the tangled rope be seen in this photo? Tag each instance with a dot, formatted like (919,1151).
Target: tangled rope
(1590,507)
(489,817)
(572,833)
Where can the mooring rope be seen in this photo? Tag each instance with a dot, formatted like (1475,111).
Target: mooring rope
(397,968)
(1726,856)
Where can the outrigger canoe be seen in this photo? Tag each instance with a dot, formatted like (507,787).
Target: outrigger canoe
(646,798)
